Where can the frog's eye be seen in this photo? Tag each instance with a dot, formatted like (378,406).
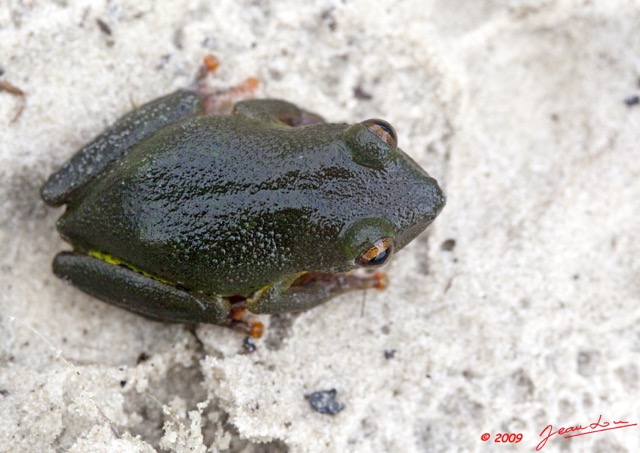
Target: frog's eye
(383,130)
(377,254)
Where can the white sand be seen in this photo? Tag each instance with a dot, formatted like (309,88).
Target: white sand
(516,107)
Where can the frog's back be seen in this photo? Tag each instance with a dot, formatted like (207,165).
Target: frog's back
(201,203)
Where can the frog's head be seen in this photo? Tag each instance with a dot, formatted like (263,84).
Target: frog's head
(391,198)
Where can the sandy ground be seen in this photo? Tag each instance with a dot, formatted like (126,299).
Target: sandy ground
(518,309)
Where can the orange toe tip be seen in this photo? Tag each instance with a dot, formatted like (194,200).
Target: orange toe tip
(251,83)
(211,62)
(381,280)
(256,329)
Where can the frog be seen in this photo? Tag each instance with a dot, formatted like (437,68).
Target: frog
(182,215)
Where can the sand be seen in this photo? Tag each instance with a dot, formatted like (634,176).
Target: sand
(517,310)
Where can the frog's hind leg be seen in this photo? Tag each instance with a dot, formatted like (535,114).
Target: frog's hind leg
(123,287)
(63,185)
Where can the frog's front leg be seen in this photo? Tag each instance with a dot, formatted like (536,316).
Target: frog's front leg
(121,286)
(306,290)
(276,110)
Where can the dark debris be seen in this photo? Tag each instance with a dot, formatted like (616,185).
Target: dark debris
(632,100)
(324,402)
(248,344)
(389,353)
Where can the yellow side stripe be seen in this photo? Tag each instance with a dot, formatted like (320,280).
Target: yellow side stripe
(117,262)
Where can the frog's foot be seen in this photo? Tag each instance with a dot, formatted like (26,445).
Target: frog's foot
(220,101)
(238,320)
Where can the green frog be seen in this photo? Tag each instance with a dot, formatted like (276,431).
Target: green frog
(184,216)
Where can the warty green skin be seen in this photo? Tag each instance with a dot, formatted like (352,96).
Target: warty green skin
(239,205)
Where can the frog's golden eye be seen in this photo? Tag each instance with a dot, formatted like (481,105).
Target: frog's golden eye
(383,130)
(377,254)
